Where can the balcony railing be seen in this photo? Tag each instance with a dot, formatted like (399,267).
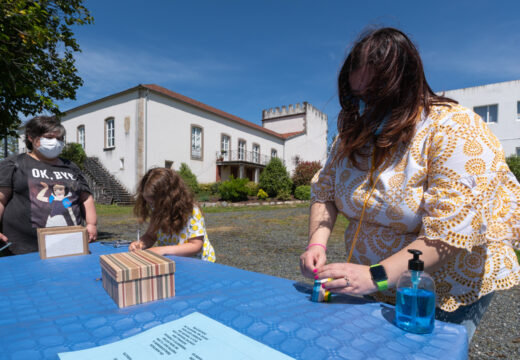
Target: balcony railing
(245,156)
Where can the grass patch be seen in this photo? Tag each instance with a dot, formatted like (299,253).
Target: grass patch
(218,209)
(104,210)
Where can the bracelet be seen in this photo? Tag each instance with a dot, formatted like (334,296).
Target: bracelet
(313,244)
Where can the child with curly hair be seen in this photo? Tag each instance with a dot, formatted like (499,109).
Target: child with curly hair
(176,225)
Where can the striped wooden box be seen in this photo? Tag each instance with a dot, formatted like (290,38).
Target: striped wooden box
(137,277)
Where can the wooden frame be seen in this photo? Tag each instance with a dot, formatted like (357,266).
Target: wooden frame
(62,241)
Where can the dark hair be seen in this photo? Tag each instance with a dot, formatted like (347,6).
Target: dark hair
(398,87)
(40,125)
(173,201)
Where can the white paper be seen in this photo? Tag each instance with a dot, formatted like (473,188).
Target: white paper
(63,244)
(193,337)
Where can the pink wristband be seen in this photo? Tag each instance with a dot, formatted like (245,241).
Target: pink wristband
(316,244)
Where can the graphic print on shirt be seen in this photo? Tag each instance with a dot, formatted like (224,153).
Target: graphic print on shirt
(52,197)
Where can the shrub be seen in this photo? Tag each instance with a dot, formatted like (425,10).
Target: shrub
(513,162)
(303,192)
(275,178)
(262,195)
(284,195)
(252,188)
(209,188)
(304,172)
(214,188)
(234,190)
(189,178)
(75,153)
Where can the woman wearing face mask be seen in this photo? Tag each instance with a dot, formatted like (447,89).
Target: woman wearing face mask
(38,186)
(413,170)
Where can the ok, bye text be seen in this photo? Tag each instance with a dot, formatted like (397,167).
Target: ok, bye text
(58,175)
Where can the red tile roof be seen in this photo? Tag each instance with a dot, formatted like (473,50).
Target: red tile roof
(187,100)
(210,109)
(292,134)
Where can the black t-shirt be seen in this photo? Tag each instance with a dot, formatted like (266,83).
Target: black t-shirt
(43,195)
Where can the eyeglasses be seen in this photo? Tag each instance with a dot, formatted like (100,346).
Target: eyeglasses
(116,243)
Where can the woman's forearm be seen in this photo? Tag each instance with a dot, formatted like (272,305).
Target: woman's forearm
(90,211)
(321,222)
(435,253)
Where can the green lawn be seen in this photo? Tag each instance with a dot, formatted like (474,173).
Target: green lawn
(106,210)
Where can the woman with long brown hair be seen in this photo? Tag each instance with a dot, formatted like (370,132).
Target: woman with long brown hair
(413,170)
(176,223)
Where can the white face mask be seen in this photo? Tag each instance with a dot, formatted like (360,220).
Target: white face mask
(50,148)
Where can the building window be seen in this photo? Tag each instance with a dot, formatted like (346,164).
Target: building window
(121,163)
(518,151)
(81,136)
(110,140)
(274,153)
(241,150)
(518,110)
(256,153)
(488,113)
(196,142)
(225,142)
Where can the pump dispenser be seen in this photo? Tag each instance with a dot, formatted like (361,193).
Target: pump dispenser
(415,300)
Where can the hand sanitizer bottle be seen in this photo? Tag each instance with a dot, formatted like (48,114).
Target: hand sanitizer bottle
(415,300)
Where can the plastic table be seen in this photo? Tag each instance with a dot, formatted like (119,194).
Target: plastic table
(57,305)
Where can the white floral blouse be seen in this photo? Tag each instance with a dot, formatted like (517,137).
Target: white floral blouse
(451,184)
(194,228)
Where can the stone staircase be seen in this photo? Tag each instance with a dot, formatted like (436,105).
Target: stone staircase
(104,186)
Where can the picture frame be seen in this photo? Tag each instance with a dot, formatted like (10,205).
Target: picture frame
(61,241)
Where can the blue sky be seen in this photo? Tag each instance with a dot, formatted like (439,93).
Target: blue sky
(246,56)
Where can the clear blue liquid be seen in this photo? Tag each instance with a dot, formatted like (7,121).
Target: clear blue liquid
(415,310)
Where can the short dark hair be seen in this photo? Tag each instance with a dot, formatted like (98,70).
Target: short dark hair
(40,125)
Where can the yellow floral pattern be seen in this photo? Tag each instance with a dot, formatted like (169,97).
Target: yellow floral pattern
(450,184)
(194,228)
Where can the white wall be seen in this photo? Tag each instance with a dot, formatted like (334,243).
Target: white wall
(169,136)
(93,118)
(506,95)
(282,126)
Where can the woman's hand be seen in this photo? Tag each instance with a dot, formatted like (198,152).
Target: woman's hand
(92,232)
(311,259)
(347,278)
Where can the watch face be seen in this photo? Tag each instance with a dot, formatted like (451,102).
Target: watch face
(378,273)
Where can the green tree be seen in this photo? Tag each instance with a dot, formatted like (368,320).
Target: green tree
(8,146)
(36,57)
(75,153)
(275,178)
(513,162)
(189,178)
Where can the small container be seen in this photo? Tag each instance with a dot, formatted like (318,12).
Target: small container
(319,294)
(137,277)
(415,300)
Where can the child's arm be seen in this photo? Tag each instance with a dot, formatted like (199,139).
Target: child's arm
(191,247)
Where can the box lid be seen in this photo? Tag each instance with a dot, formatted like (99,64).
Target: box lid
(138,264)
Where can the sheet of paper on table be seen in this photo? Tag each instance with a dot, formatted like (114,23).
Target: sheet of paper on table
(194,336)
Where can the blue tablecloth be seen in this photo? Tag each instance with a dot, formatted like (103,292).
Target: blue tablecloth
(57,305)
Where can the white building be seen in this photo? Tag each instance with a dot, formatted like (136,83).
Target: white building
(499,106)
(149,126)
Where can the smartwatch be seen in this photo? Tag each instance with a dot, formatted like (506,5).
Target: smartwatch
(379,276)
